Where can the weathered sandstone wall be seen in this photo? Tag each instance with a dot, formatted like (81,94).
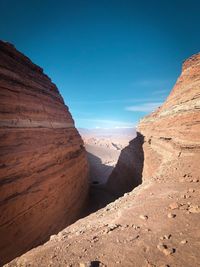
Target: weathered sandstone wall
(172,133)
(168,145)
(43,165)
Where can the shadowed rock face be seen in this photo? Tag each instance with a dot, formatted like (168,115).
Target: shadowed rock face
(128,172)
(43,165)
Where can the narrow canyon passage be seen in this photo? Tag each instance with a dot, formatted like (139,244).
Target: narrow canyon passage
(113,172)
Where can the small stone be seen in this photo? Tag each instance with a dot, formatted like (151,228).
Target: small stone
(183,242)
(185,196)
(195,180)
(163,248)
(174,206)
(135,226)
(167,236)
(191,190)
(144,217)
(171,215)
(168,251)
(132,238)
(112,227)
(194,209)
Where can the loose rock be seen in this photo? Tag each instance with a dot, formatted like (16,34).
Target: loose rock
(144,217)
(174,206)
(171,215)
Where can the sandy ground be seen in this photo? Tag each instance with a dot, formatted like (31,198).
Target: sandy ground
(148,227)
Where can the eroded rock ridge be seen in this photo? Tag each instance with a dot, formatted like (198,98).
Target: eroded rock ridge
(43,165)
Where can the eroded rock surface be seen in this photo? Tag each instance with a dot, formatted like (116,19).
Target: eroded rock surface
(172,133)
(136,230)
(43,165)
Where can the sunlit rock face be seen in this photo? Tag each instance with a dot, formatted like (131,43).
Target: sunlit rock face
(172,133)
(43,165)
(168,142)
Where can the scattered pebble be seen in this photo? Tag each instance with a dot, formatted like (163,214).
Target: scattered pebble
(191,190)
(174,206)
(171,215)
(136,227)
(185,196)
(165,237)
(183,242)
(132,238)
(168,251)
(112,227)
(195,180)
(163,248)
(194,209)
(144,217)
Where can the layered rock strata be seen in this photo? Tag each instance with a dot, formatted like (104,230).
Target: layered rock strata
(170,146)
(172,133)
(43,165)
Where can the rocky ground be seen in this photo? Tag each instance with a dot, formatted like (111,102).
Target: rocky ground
(157,224)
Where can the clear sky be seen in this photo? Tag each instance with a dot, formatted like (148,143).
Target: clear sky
(112,60)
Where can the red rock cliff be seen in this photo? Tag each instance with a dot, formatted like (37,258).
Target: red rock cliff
(168,142)
(43,166)
(172,133)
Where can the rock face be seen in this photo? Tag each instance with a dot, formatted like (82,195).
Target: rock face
(43,165)
(172,133)
(168,144)
(128,172)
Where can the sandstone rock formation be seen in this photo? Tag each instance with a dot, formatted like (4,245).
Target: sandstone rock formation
(172,133)
(43,165)
(156,224)
(171,137)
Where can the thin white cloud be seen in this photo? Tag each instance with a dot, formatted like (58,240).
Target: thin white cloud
(160,92)
(146,107)
(152,82)
(110,101)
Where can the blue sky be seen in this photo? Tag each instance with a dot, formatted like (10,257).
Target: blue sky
(113,60)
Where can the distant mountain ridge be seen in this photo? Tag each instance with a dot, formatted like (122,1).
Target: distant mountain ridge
(108,132)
